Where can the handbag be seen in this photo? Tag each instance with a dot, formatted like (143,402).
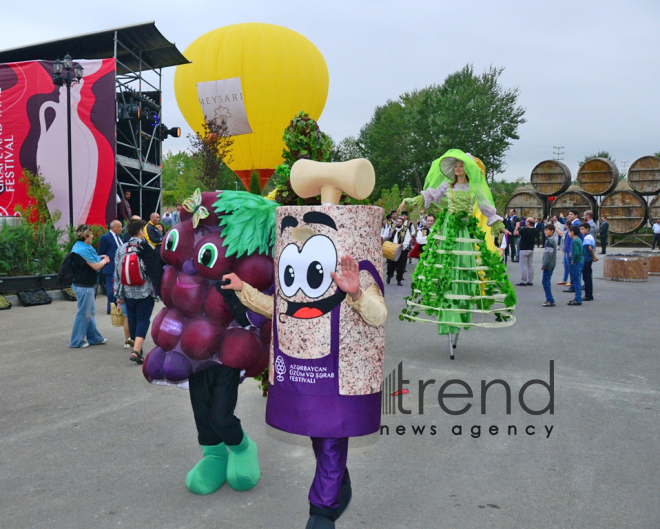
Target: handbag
(116,315)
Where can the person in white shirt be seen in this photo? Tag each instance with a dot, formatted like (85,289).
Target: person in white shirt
(656,234)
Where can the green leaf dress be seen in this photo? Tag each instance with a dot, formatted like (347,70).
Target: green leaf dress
(458,282)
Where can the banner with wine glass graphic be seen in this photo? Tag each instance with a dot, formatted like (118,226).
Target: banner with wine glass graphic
(33,136)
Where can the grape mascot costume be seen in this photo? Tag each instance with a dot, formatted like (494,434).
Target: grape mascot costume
(326,359)
(204,338)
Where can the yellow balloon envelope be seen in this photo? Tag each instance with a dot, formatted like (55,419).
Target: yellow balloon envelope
(280,72)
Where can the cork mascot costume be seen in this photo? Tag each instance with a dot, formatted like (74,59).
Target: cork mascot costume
(205,340)
(327,311)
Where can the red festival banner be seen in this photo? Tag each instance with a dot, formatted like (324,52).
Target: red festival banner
(33,136)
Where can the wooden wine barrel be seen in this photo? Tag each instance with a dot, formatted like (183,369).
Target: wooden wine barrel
(625,267)
(598,176)
(625,210)
(654,260)
(654,209)
(574,198)
(644,175)
(527,203)
(551,178)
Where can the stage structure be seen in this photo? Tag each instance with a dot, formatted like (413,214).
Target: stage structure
(140,52)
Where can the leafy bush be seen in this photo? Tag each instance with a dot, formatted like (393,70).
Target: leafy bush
(20,245)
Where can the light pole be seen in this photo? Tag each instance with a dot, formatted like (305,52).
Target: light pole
(60,80)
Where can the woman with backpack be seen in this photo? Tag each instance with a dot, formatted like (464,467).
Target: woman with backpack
(133,286)
(86,267)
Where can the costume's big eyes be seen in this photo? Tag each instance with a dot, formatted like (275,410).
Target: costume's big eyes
(289,275)
(308,269)
(172,240)
(207,255)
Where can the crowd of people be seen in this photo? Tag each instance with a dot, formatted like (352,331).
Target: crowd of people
(517,241)
(575,237)
(579,244)
(128,261)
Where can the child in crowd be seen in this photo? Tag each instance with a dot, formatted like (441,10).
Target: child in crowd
(549,262)
(589,257)
(576,257)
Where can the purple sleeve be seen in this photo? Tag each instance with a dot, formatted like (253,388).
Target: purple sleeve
(255,318)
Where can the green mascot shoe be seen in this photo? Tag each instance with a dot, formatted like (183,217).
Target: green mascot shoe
(243,465)
(210,472)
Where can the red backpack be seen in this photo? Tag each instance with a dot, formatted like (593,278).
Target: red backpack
(132,271)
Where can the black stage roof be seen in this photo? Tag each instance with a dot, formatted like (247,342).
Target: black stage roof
(157,51)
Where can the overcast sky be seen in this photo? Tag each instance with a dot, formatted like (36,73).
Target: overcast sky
(588,71)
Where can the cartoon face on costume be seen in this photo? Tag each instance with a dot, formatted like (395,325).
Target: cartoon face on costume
(192,331)
(178,244)
(311,241)
(304,269)
(209,257)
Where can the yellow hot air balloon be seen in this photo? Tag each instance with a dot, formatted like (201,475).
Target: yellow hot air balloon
(280,72)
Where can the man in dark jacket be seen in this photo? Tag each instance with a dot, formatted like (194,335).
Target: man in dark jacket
(124,209)
(603,232)
(510,224)
(108,244)
(153,233)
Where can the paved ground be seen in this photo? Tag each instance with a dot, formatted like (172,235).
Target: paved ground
(85,442)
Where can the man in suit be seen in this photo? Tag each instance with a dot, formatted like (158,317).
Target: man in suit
(604,232)
(510,224)
(108,245)
(538,227)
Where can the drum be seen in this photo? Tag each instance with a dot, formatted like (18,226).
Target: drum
(391,251)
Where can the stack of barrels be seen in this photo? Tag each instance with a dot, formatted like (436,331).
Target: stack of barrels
(623,203)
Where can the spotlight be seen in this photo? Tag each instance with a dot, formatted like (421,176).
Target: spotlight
(164,132)
(130,111)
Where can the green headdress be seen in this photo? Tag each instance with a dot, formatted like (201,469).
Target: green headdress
(442,170)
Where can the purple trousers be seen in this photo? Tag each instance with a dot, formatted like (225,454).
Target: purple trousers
(331,454)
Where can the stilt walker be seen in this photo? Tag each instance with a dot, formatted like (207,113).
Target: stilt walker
(460,281)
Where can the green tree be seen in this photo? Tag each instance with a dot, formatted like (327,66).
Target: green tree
(346,149)
(211,151)
(503,190)
(41,193)
(468,111)
(599,154)
(255,184)
(383,141)
(602,154)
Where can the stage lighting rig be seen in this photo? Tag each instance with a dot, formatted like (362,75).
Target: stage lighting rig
(163,132)
(130,111)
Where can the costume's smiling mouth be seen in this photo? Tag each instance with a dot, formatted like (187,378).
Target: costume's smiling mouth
(181,285)
(314,309)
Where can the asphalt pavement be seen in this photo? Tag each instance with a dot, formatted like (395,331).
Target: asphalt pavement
(86,442)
